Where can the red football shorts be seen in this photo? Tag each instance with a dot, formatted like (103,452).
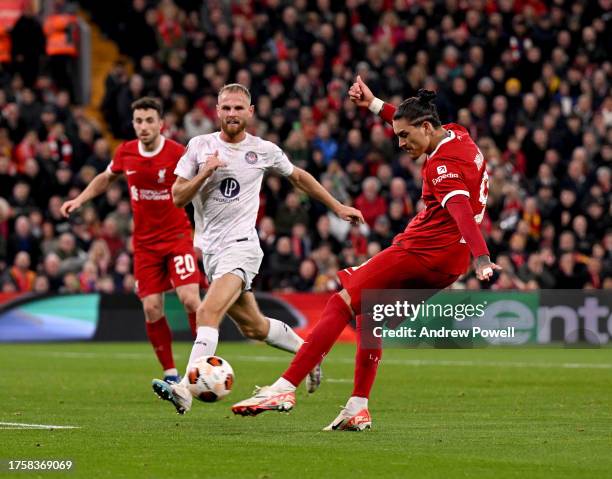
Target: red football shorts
(392,268)
(163,269)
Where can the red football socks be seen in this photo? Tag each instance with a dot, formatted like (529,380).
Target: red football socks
(192,324)
(160,337)
(366,360)
(334,319)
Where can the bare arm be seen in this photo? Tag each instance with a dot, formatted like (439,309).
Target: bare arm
(306,182)
(183,190)
(98,186)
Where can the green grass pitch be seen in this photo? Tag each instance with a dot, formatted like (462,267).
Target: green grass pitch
(523,413)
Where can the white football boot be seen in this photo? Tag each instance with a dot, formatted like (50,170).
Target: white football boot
(265,399)
(176,393)
(347,421)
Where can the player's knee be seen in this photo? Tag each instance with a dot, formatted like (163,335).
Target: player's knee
(153,311)
(190,302)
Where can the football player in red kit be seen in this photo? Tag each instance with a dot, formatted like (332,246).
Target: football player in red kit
(164,258)
(431,253)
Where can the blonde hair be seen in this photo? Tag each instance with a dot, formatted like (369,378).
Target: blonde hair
(235,87)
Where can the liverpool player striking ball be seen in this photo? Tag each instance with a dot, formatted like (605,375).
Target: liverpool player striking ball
(431,253)
(163,251)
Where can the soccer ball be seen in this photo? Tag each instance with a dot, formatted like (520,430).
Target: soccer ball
(210,378)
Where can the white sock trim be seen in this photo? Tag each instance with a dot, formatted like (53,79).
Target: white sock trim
(356,404)
(283,385)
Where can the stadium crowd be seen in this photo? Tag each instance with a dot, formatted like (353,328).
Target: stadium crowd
(529,79)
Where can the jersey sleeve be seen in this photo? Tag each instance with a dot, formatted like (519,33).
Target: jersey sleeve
(116,165)
(279,162)
(387,112)
(447,179)
(187,166)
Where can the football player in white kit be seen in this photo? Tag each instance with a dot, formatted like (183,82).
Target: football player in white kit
(221,173)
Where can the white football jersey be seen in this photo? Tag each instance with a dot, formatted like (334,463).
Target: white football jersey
(227,203)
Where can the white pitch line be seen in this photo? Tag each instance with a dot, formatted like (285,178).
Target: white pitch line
(399,362)
(19,425)
(80,355)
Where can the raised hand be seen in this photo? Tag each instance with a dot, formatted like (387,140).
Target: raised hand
(360,93)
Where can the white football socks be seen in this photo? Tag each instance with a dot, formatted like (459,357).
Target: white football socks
(205,344)
(281,336)
(283,385)
(356,404)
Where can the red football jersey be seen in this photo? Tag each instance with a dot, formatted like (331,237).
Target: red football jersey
(150,175)
(455,167)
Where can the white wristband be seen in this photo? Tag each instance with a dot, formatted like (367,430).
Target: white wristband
(376,105)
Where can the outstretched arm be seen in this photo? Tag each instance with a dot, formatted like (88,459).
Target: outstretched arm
(97,186)
(306,182)
(362,96)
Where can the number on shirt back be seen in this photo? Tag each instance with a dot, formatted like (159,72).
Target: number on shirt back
(184,264)
(483,196)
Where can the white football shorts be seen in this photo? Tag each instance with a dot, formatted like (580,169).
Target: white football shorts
(242,258)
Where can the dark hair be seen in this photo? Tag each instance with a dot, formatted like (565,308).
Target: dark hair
(418,109)
(147,103)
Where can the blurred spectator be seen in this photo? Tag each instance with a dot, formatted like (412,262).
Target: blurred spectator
(283,264)
(20,274)
(305,280)
(72,258)
(570,275)
(382,233)
(51,270)
(100,157)
(28,45)
(22,239)
(111,236)
(62,34)
(370,203)
(289,214)
(301,244)
(323,235)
